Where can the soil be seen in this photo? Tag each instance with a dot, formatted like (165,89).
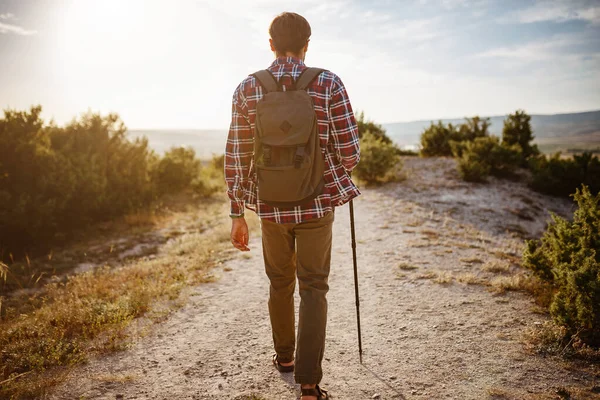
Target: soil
(434,323)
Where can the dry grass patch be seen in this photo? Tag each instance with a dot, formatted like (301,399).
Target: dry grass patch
(90,313)
(415,222)
(468,278)
(407,267)
(471,260)
(116,378)
(496,267)
(443,278)
(417,244)
(550,338)
(515,282)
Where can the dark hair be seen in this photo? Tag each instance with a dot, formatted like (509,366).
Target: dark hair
(289,32)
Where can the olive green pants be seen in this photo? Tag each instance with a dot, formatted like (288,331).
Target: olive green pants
(302,250)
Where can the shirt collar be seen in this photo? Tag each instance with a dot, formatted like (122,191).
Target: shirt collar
(287,60)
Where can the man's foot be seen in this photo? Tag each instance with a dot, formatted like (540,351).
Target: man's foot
(313,392)
(283,366)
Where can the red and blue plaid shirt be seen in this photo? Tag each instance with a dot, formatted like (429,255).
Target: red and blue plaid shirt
(338,133)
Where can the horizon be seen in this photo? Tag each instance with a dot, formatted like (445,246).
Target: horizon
(427,120)
(154,62)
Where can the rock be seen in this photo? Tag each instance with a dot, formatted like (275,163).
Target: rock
(220,386)
(376,396)
(119,396)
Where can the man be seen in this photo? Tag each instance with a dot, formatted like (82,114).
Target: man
(296,240)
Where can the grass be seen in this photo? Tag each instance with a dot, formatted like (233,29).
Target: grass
(90,313)
(515,282)
(468,278)
(472,260)
(407,267)
(443,278)
(496,267)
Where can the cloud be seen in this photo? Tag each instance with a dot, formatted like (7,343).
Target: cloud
(17,30)
(556,11)
(534,51)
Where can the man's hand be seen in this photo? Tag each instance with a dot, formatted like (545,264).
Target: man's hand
(239,234)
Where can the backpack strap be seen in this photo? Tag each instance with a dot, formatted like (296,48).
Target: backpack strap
(266,80)
(307,77)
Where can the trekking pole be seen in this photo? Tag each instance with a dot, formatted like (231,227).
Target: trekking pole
(355,278)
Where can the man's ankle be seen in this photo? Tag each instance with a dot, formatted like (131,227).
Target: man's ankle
(308,385)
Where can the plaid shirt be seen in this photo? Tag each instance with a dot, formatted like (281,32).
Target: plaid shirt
(339,143)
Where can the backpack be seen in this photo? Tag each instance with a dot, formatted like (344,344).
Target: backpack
(287,151)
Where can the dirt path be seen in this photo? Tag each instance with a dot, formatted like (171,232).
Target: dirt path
(432,327)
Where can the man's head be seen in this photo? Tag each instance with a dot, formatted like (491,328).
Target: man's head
(290,33)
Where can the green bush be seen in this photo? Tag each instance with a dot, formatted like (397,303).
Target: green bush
(517,131)
(374,129)
(447,140)
(379,161)
(473,128)
(483,156)
(56,179)
(177,169)
(435,140)
(568,258)
(561,176)
(210,180)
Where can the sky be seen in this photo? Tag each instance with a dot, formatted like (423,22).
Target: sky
(174,64)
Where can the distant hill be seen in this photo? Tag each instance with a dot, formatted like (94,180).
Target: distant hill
(552,133)
(205,142)
(550,130)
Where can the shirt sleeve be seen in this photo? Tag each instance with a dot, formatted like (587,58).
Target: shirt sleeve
(238,152)
(343,126)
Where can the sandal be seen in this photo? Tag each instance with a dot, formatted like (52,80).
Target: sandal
(282,368)
(319,393)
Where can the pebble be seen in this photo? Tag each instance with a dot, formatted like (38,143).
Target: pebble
(376,396)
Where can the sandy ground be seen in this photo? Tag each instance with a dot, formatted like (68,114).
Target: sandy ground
(431,329)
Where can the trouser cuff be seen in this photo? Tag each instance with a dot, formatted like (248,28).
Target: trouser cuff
(308,379)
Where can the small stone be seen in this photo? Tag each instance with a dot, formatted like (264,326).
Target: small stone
(393,378)
(186,372)
(220,386)
(119,396)
(223,373)
(376,396)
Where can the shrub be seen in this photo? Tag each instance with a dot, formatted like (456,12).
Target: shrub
(483,156)
(568,258)
(561,176)
(54,179)
(473,128)
(177,169)
(374,129)
(435,140)
(210,180)
(447,140)
(517,131)
(379,161)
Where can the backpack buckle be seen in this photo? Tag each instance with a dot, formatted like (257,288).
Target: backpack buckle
(267,155)
(299,156)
